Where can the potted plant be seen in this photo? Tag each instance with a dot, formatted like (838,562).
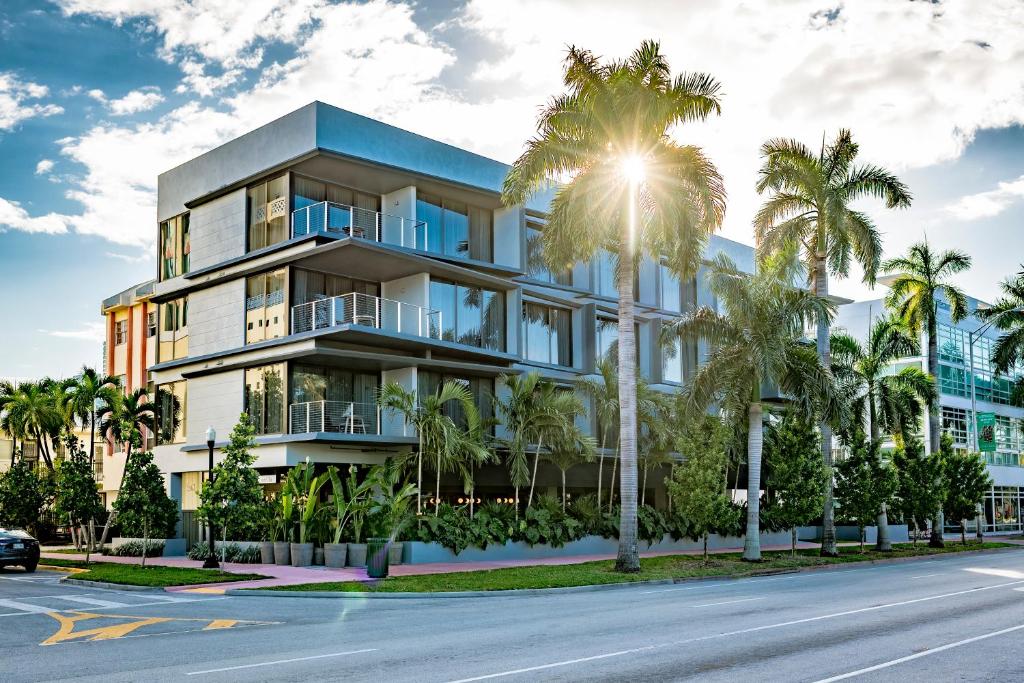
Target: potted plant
(304,486)
(336,552)
(270,531)
(284,508)
(358,507)
(392,508)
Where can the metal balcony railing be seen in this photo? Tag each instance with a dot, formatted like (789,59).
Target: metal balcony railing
(365,309)
(342,219)
(339,417)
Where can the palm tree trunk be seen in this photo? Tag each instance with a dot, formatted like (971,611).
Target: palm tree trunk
(563,491)
(628,559)
(935,539)
(92,436)
(736,479)
(792,550)
(882,542)
(611,482)
(533,478)
(600,465)
(419,477)
(437,489)
(752,542)
(963,532)
(643,489)
(828,523)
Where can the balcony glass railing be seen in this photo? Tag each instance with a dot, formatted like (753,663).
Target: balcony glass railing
(338,417)
(342,219)
(364,309)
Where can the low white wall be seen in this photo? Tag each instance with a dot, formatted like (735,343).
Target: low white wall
(172,546)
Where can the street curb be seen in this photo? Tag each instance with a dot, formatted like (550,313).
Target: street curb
(55,568)
(568,590)
(111,586)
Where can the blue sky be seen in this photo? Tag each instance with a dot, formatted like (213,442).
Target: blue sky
(99,96)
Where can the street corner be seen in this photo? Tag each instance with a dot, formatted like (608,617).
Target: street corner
(77,627)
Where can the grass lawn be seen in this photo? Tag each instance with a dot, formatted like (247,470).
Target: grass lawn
(601,572)
(157,577)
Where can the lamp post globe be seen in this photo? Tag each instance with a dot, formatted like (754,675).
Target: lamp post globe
(211,560)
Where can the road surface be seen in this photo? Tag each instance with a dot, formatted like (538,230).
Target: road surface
(940,619)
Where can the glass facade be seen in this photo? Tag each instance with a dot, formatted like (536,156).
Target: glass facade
(173,337)
(174,247)
(604,274)
(547,334)
(332,399)
(468,315)
(308,285)
(264,398)
(536,266)
(455,228)
(170,412)
(266,314)
(1002,508)
(361,221)
(678,361)
(954,375)
(268,213)
(481,389)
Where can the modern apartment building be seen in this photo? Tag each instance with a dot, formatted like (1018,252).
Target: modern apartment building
(992,395)
(304,264)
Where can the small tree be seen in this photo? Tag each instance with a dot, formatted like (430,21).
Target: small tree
(76,496)
(697,485)
(22,497)
(966,482)
(863,484)
(234,502)
(143,506)
(795,478)
(917,494)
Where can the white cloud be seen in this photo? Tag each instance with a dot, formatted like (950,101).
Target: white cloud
(44,166)
(97,95)
(13,216)
(136,101)
(16,103)
(144,255)
(197,80)
(89,331)
(987,204)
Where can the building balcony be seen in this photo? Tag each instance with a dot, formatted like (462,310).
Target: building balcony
(351,221)
(367,310)
(337,417)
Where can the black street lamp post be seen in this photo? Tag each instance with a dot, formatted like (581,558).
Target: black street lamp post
(211,561)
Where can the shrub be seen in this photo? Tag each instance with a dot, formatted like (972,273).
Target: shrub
(230,552)
(651,524)
(134,549)
(546,523)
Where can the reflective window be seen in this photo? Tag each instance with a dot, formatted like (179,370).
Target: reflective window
(264,398)
(547,334)
(536,266)
(480,388)
(172,342)
(607,339)
(348,211)
(267,210)
(604,274)
(266,315)
(332,399)
(455,228)
(175,246)
(170,409)
(468,315)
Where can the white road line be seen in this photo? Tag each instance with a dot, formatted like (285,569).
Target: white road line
(729,634)
(90,601)
(925,576)
(280,661)
(25,606)
(726,602)
(932,651)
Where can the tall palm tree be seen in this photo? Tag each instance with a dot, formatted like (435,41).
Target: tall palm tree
(922,278)
(9,423)
(757,340)
(32,412)
(567,449)
(892,402)
(809,206)
(658,431)
(91,388)
(603,397)
(630,189)
(439,436)
(554,420)
(1007,315)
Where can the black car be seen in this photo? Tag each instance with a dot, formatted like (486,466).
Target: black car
(18,547)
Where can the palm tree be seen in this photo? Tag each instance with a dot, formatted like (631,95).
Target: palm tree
(1007,315)
(554,419)
(89,389)
(809,206)
(658,431)
(921,279)
(33,412)
(756,341)
(9,422)
(603,396)
(568,449)
(892,401)
(439,436)
(630,188)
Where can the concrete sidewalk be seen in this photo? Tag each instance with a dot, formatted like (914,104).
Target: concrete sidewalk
(287,575)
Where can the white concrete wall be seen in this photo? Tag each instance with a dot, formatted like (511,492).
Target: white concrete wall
(508,236)
(213,400)
(412,289)
(217,230)
(392,423)
(397,205)
(216,318)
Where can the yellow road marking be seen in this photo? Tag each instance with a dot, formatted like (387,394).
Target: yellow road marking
(213,591)
(54,568)
(66,631)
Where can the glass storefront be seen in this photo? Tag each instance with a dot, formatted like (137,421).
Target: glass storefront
(1002,509)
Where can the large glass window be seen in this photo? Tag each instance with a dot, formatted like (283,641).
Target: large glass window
(455,228)
(957,423)
(267,210)
(170,412)
(331,399)
(469,315)
(348,211)
(547,334)
(607,347)
(120,332)
(604,274)
(536,266)
(480,388)
(309,285)
(676,296)
(174,247)
(952,381)
(264,398)
(266,315)
(679,360)
(173,336)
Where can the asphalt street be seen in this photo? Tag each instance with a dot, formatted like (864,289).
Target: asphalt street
(940,619)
